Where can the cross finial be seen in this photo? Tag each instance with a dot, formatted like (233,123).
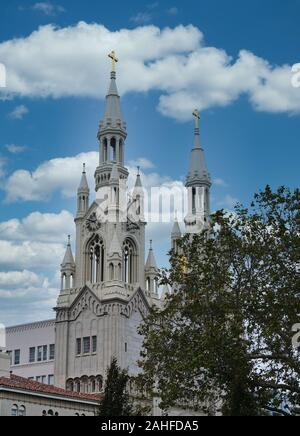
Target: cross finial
(114,60)
(197,118)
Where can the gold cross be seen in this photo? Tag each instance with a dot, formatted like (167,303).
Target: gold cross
(197,118)
(114,60)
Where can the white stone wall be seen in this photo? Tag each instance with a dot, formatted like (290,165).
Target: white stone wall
(35,405)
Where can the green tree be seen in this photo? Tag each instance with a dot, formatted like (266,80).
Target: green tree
(116,400)
(223,340)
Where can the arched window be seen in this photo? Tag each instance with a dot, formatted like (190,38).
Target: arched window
(92,384)
(50,413)
(96,260)
(63,282)
(71,281)
(70,385)
(121,151)
(44,413)
(194,199)
(111,271)
(22,411)
(105,154)
(77,414)
(56,414)
(129,261)
(84,384)
(77,385)
(148,284)
(113,146)
(14,410)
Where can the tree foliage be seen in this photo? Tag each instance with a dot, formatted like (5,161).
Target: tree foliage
(223,340)
(116,400)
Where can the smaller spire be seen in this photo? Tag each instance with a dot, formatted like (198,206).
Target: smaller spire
(151,262)
(68,259)
(84,186)
(176,231)
(115,246)
(138,183)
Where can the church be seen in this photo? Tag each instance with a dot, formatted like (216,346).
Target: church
(107,287)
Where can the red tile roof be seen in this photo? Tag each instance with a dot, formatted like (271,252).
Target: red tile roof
(16,382)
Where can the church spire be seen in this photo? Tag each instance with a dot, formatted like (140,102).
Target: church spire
(198,184)
(68,268)
(198,173)
(83,194)
(152,272)
(112,133)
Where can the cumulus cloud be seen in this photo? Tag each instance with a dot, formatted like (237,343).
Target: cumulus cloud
(38,227)
(72,61)
(48,8)
(18,113)
(15,149)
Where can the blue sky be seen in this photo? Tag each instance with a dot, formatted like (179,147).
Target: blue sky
(231,59)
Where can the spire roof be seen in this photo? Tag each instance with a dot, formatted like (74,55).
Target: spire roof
(138,182)
(198,172)
(151,262)
(176,231)
(68,259)
(115,246)
(84,186)
(113,114)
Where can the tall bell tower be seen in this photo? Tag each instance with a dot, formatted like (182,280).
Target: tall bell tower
(105,291)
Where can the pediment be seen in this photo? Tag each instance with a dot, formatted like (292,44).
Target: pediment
(88,301)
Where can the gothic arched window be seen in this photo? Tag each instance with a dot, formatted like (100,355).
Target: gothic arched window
(129,261)
(95,273)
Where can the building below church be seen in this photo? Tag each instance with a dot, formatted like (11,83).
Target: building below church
(22,397)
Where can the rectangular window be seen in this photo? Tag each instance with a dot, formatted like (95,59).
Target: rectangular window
(43,379)
(45,352)
(86,345)
(78,347)
(17,357)
(31,378)
(51,380)
(38,379)
(10,355)
(51,352)
(31,354)
(39,354)
(94,344)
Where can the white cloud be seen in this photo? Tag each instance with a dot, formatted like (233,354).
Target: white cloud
(18,113)
(72,61)
(62,174)
(229,202)
(30,254)
(38,227)
(173,11)
(220,182)
(48,8)
(15,149)
(18,278)
(142,18)
(142,163)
